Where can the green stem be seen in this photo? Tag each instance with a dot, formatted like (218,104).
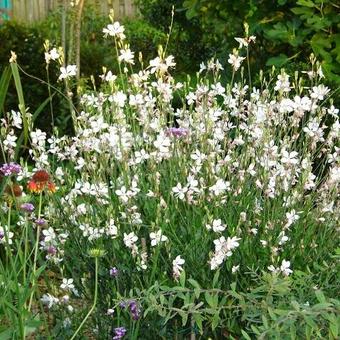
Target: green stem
(36,252)
(94,300)
(249,75)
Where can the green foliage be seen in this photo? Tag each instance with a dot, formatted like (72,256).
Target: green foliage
(286,30)
(186,39)
(27,42)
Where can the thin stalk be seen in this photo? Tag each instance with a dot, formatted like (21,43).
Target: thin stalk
(94,301)
(50,95)
(35,252)
(248,63)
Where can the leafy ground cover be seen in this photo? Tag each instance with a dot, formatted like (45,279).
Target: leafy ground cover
(217,218)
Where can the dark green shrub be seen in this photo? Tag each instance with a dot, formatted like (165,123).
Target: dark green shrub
(28,44)
(286,30)
(186,40)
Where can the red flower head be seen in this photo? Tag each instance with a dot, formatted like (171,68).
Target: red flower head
(40,181)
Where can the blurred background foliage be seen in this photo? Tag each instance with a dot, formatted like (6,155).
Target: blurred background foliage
(287,32)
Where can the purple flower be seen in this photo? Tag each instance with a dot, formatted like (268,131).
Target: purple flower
(2,234)
(177,132)
(122,304)
(10,169)
(51,250)
(27,207)
(114,272)
(40,222)
(119,333)
(135,311)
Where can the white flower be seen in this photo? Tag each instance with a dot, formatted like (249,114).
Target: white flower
(289,158)
(179,191)
(49,300)
(110,311)
(235,61)
(282,83)
(124,194)
(130,239)
(54,54)
(157,238)
(245,41)
(235,269)
(112,229)
(67,284)
(285,268)
(319,92)
(38,138)
(126,55)
(67,72)
(177,268)
(109,77)
(217,226)
(49,234)
(114,30)
(10,142)
(5,236)
(119,98)
(220,187)
(16,119)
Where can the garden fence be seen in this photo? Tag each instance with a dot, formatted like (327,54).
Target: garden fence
(33,10)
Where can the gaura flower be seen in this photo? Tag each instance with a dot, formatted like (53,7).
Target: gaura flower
(41,181)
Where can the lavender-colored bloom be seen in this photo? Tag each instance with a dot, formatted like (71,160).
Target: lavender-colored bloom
(51,250)
(135,311)
(2,234)
(10,169)
(40,221)
(114,272)
(122,304)
(119,333)
(177,132)
(27,207)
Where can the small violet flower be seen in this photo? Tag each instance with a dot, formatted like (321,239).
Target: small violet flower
(10,169)
(119,333)
(27,207)
(40,222)
(177,132)
(114,272)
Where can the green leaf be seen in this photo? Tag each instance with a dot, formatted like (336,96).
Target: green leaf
(320,42)
(22,107)
(182,279)
(246,336)
(194,283)
(184,317)
(215,279)
(215,321)
(307,3)
(278,61)
(334,328)
(320,296)
(198,319)
(4,83)
(209,299)
(7,334)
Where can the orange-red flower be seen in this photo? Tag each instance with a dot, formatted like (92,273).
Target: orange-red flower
(41,181)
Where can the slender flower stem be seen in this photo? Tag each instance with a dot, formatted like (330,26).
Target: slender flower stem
(248,64)
(36,252)
(94,300)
